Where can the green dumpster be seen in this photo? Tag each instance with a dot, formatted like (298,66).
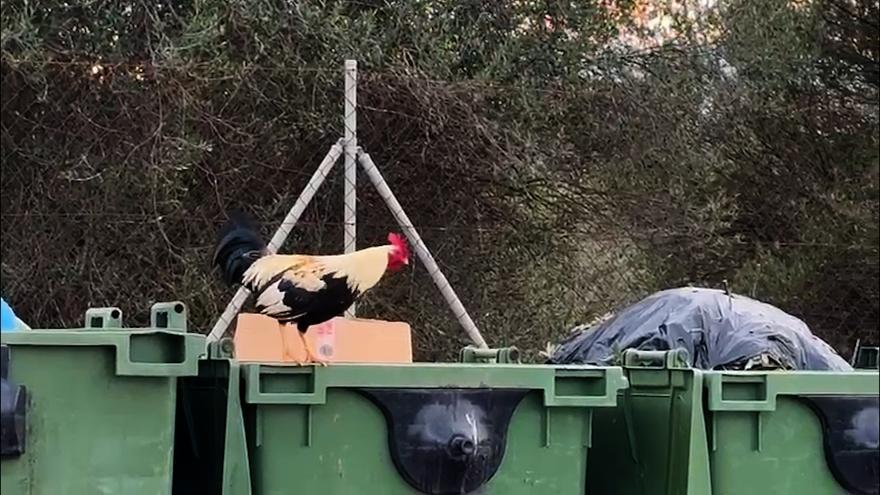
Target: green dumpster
(210,454)
(422,428)
(91,411)
(793,432)
(677,430)
(654,441)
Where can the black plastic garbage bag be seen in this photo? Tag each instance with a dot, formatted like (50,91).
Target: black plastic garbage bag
(719,331)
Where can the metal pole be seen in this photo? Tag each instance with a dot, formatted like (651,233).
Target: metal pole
(350,139)
(280,236)
(421,250)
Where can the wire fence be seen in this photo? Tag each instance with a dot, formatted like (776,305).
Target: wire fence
(545,207)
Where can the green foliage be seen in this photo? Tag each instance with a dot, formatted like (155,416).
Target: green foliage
(556,173)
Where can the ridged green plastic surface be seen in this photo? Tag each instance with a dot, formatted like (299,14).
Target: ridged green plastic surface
(682,431)
(121,411)
(763,439)
(654,441)
(309,430)
(101,407)
(210,453)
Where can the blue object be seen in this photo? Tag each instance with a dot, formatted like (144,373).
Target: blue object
(8,321)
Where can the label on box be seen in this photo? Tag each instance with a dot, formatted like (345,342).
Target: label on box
(325,340)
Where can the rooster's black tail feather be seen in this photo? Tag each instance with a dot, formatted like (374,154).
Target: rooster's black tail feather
(238,245)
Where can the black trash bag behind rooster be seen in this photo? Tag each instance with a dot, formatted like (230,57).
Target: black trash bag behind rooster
(719,330)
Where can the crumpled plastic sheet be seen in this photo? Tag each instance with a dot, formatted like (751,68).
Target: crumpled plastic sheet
(719,330)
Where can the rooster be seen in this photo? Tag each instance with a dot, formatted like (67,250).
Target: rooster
(297,288)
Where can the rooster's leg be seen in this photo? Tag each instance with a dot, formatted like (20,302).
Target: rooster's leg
(311,356)
(285,351)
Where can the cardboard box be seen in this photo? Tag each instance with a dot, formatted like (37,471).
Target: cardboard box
(340,340)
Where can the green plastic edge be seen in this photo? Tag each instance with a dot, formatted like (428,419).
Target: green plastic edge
(236,463)
(435,375)
(699,473)
(667,376)
(194,347)
(775,383)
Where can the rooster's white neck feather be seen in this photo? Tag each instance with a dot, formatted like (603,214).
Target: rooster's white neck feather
(363,268)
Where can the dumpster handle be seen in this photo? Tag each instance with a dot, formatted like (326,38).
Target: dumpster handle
(187,365)
(676,358)
(185,362)
(566,386)
(769,385)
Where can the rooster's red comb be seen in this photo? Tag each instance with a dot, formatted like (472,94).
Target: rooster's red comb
(399,242)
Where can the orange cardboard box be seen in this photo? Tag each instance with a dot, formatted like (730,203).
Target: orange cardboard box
(340,340)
